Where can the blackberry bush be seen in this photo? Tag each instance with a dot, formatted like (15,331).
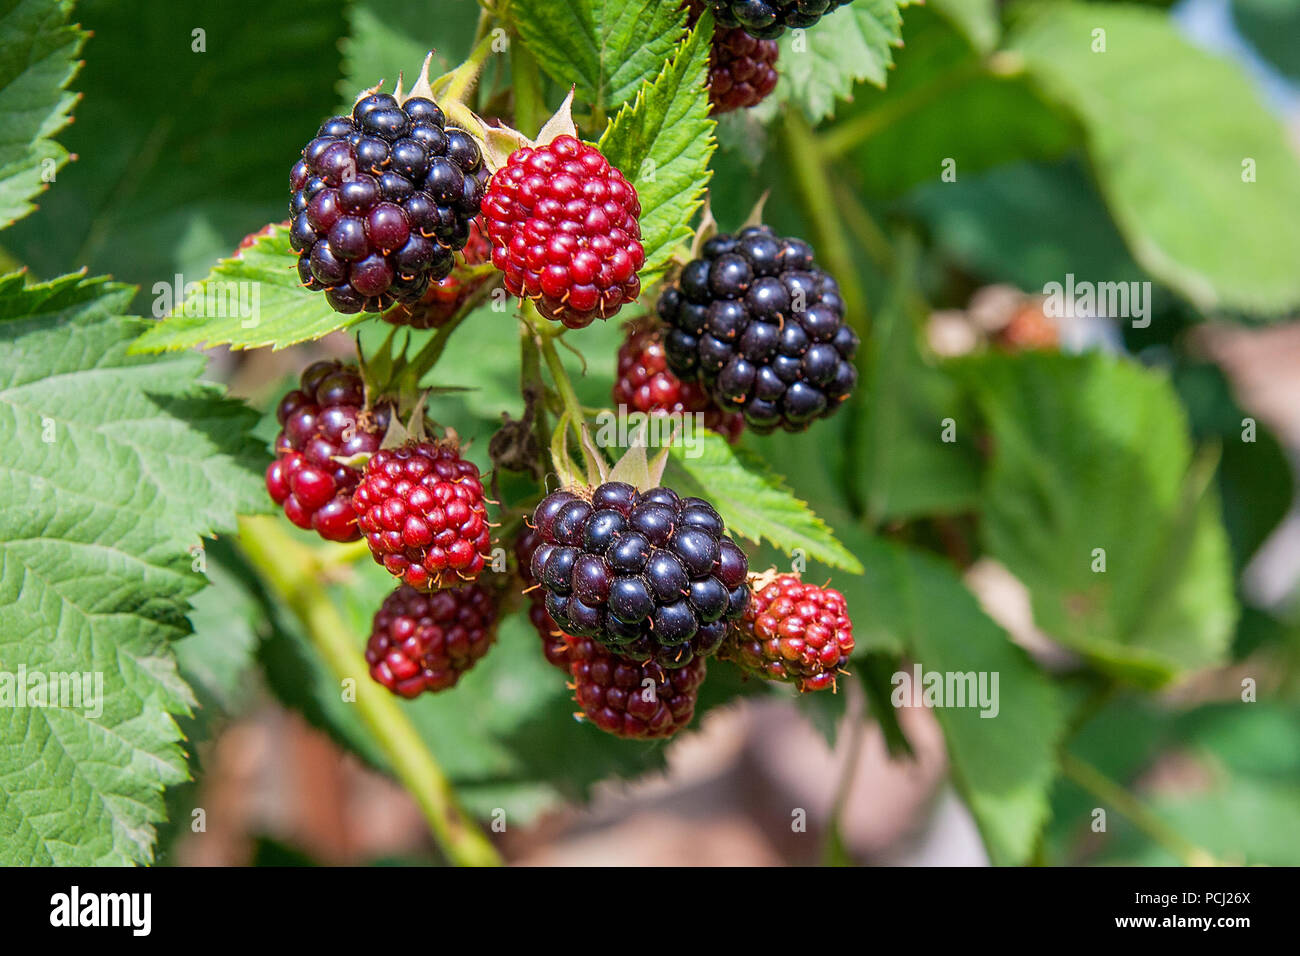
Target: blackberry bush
(762,329)
(381,200)
(424,642)
(648,574)
(324,422)
(565,231)
(793,632)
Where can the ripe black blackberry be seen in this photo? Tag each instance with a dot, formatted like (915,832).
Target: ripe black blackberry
(762,329)
(381,200)
(768,19)
(649,575)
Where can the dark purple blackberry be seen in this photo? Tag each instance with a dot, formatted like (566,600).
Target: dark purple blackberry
(381,200)
(768,19)
(761,328)
(649,575)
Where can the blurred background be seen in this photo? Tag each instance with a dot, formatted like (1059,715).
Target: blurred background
(169,178)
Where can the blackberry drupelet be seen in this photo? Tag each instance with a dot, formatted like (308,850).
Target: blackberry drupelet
(768,19)
(613,693)
(445,297)
(742,68)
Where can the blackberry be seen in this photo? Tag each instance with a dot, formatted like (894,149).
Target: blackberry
(645,384)
(425,642)
(647,574)
(793,632)
(565,231)
(742,68)
(444,298)
(424,514)
(629,699)
(322,420)
(762,329)
(768,19)
(553,645)
(381,200)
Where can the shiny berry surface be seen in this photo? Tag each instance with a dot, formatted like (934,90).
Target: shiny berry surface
(553,646)
(444,298)
(761,329)
(649,575)
(630,699)
(565,231)
(321,421)
(793,632)
(742,68)
(424,642)
(770,18)
(381,200)
(644,383)
(423,512)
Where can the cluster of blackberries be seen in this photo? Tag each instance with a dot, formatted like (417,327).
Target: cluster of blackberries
(762,329)
(322,421)
(649,575)
(768,19)
(381,200)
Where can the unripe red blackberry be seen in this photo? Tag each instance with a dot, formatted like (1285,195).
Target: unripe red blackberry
(793,632)
(645,384)
(444,298)
(323,420)
(762,329)
(1029,329)
(630,699)
(552,638)
(770,18)
(648,574)
(380,201)
(422,509)
(565,231)
(742,68)
(425,642)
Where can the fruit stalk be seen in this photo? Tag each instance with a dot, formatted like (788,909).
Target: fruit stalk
(292,572)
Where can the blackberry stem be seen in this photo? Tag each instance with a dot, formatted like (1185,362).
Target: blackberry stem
(292,572)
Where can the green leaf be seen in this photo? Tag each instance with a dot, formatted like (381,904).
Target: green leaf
(250,301)
(662,142)
(607,48)
(184,140)
(1174,177)
(821,65)
(949,111)
(1092,452)
(1003,765)
(37,62)
(753,500)
(1028,224)
(115,466)
(905,468)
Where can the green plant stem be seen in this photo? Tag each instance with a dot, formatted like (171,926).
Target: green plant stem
(563,385)
(813,184)
(290,570)
(530,107)
(1108,791)
(530,376)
